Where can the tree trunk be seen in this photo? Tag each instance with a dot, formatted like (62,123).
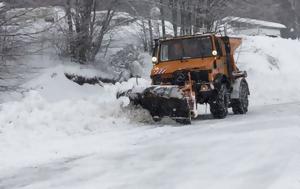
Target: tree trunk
(96,46)
(162,14)
(83,37)
(70,29)
(174,6)
(150,33)
(182,18)
(144,37)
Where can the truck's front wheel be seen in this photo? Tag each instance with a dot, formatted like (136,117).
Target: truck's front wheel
(219,103)
(185,121)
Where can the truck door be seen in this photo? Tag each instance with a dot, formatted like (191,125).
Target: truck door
(221,58)
(227,47)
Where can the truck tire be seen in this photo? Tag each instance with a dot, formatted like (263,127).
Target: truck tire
(219,104)
(156,118)
(186,121)
(240,106)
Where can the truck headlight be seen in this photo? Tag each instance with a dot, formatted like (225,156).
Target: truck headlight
(204,87)
(154,60)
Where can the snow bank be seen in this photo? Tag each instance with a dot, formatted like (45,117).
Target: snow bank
(272,65)
(52,97)
(57,108)
(54,86)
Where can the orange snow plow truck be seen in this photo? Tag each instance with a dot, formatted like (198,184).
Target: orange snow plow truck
(192,70)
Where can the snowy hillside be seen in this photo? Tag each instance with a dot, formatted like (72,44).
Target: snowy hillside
(62,135)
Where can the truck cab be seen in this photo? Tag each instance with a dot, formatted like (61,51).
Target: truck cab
(207,60)
(208,54)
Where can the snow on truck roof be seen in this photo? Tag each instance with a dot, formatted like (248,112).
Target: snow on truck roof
(254,22)
(171,37)
(168,38)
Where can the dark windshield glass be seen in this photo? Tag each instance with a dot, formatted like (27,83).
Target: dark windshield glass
(185,49)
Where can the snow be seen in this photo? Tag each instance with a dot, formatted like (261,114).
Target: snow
(62,135)
(54,108)
(254,22)
(167,92)
(272,65)
(239,152)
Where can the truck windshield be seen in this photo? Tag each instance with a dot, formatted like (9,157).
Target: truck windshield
(185,49)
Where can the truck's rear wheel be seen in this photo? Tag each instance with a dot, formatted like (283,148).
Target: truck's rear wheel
(219,104)
(240,106)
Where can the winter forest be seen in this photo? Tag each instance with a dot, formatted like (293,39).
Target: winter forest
(125,94)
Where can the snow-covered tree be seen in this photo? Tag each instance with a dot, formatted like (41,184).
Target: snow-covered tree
(88,23)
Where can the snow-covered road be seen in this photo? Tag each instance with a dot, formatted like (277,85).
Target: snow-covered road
(258,150)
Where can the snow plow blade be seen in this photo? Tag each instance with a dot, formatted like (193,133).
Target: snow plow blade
(162,101)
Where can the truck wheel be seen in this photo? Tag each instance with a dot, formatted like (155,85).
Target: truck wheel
(219,104)
(156,118)
(240,106)
(186,121)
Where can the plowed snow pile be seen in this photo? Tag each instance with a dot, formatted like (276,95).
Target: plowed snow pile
(59,122)
(55,107)
(273,67)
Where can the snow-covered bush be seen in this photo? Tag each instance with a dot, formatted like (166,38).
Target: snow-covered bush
(121,66)
(127,63)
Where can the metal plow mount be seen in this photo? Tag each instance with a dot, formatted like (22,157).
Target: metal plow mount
(162,101)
